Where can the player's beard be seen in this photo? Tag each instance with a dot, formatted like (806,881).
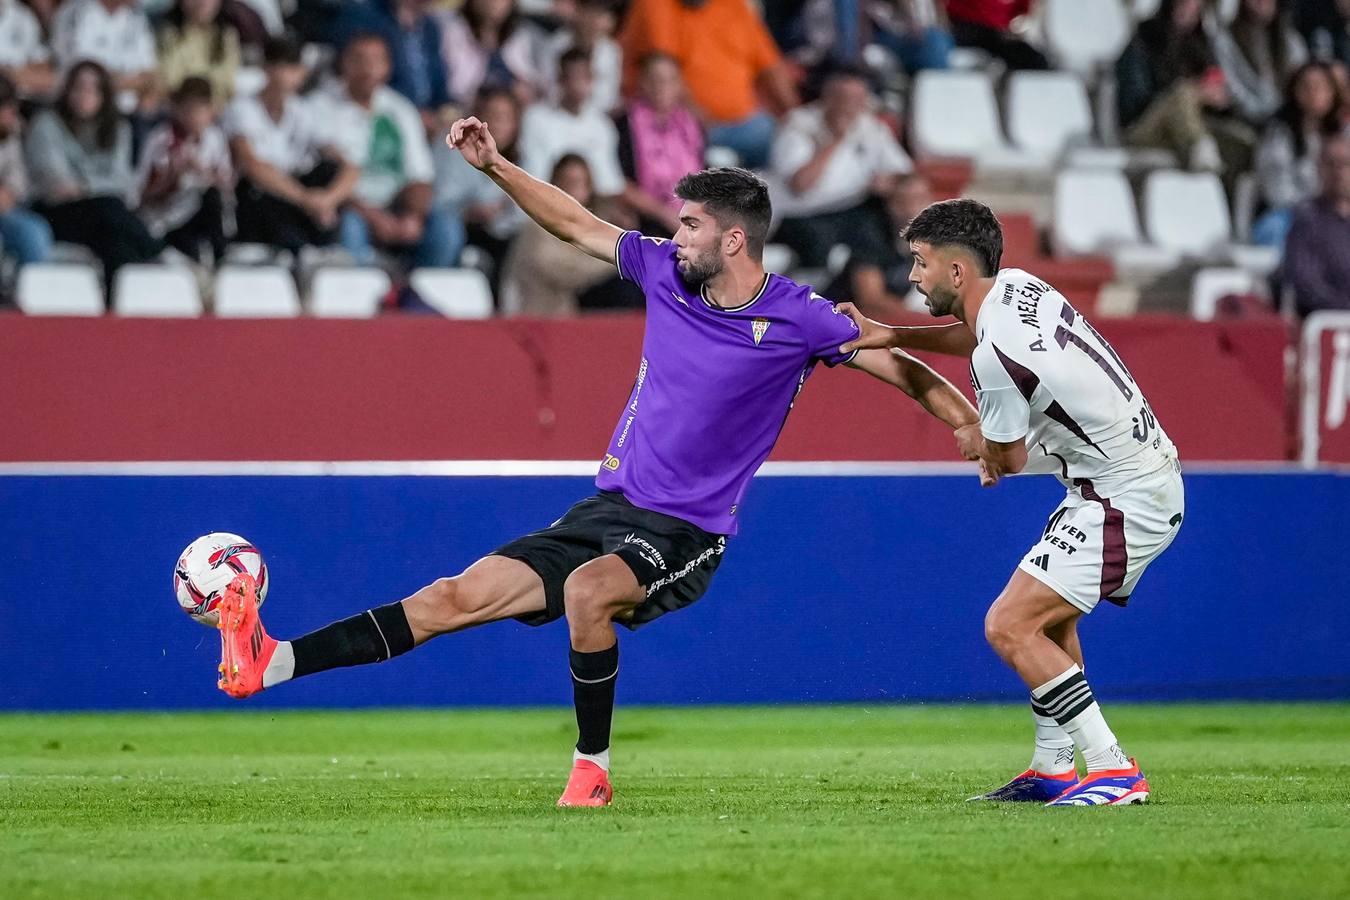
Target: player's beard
(698,270)
(940,301)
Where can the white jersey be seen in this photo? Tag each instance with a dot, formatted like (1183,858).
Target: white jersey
(1042,373)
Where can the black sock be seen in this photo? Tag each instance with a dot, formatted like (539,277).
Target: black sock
(593,679)
(372,636)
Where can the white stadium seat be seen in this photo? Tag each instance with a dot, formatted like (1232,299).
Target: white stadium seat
(153,290)
(955,115)
(1211,285)
(60,289)
(455,293)
(1094,211)
(347,293)
(458,293)
(1084,35)
(779,258)
(265,292)
(1187,212)
(1047,112)
(1144,9)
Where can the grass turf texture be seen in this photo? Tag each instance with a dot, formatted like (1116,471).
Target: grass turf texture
(1250,801)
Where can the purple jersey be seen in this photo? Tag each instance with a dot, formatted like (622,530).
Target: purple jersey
(714,387)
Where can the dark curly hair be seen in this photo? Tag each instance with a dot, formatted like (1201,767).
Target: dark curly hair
(963,223)
(732,195)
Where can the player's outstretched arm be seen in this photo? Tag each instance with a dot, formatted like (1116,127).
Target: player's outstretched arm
(555,210)
(954,339)
(934,393)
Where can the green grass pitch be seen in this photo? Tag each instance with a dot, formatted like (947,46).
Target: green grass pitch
(743,802)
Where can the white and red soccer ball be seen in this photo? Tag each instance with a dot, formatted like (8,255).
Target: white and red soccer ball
(207,567)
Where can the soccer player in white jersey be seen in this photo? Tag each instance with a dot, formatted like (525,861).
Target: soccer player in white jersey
(1053,398)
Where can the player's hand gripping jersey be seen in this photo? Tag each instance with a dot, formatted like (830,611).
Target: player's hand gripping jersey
(1043,373)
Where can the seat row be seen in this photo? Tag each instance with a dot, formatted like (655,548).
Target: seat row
(239,291)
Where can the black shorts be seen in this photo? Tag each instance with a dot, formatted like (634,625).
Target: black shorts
(673,559)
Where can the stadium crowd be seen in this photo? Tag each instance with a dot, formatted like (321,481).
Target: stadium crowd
(310,132)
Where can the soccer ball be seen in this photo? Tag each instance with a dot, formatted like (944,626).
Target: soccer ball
(207,567)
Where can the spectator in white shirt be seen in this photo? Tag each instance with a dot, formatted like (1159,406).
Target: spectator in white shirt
(831,161)
(116,35)
(24,58)
(292,181)
(592,29)
(381,132)
(574,125)
(184,172)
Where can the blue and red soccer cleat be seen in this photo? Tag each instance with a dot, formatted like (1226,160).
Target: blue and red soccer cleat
(587,786)
(245,648)
(1031,787)
(1111,787)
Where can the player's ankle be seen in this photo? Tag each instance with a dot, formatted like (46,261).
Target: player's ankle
(281,667)
(600,759)
(1106,759)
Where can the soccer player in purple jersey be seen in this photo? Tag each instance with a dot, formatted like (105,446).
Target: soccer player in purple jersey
(727,347)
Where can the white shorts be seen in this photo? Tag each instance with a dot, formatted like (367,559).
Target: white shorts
(1097,547)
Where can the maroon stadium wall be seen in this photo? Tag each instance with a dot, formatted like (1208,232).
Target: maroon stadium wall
(415,388)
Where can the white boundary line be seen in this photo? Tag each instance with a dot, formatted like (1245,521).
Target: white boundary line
(547,467)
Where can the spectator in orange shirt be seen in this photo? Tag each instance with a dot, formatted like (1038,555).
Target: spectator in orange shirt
(725,55)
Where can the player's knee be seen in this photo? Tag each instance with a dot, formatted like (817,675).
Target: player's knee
(1003,630)
(586,599)
(444,604)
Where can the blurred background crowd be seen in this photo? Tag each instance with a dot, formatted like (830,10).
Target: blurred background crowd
(1178,155)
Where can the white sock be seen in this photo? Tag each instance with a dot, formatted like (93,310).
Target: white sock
(1054,748)
(601,759)
(1068,698)
(281,667)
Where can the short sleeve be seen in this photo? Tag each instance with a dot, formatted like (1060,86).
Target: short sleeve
(892,158)
(764,52)
(604,158)
(1002,396)
(637,256)
(417,165)
(792,149)
(826,329)
(234,121)
(143,56)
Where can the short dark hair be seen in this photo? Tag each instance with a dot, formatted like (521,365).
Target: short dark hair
(652,57)
(573,55)
(964,223)
(840,71)
(732,195)
(365,36)
(282,51)
(194,89)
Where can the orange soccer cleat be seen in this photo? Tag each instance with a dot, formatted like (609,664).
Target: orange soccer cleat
(245,649)
(587,786)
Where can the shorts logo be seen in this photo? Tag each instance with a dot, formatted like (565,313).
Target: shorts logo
(646,551)
(758,326)
(611,462)
(715,550)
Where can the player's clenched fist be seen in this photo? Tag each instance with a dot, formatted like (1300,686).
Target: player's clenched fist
(472,138)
